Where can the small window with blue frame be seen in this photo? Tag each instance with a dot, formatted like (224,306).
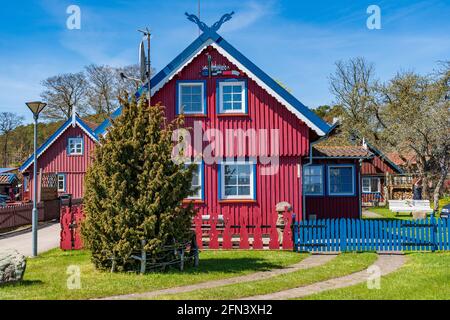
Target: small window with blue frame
(191,98)
(75,146)
(232,97)
(341,180)
(197,182)
(61,182)
(313,180)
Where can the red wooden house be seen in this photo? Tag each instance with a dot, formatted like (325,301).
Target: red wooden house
(67,153)
(263,136)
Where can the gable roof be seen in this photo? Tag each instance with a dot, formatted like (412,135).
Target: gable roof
(74,121)
(211,38)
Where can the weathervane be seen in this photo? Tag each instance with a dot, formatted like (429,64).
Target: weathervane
(215,27)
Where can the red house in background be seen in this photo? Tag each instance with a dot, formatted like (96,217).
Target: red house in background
(67,153)
(227,99)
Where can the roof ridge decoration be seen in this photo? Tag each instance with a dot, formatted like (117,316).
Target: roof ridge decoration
(215,27)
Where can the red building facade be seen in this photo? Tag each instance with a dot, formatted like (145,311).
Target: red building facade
(67,153)
(255,125)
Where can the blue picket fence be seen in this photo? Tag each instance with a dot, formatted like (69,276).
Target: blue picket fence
(332,235)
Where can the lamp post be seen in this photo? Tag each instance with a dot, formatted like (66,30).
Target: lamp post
(36,107)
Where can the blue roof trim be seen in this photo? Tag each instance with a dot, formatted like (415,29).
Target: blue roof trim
(212,35)
(53,137)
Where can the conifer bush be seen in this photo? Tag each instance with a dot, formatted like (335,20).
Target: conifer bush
(134,191)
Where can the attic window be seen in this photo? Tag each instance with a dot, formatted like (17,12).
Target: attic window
(75,146)
(232,96)
(191,97)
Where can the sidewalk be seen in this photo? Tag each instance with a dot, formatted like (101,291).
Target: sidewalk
(48,238)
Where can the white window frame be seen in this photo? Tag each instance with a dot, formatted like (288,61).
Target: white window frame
(369,190)
(322,191)
(243,85)
(202,96)
(81,148)
(330,193)
(251,196)
(200,179)
(63,176)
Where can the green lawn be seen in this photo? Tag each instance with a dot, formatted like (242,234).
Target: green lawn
(388,214)
(342,265)
(424,276)
(46,277)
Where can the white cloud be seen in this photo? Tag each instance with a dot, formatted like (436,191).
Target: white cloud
(248,15)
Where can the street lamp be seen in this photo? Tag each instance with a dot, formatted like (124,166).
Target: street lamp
(36,107)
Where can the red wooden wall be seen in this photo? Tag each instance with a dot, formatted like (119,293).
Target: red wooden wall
(264,112)
(56,160)
(376,166)
(332,206)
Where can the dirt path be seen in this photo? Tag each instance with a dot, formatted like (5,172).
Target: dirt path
(386,263)
(310,262)
(370,214)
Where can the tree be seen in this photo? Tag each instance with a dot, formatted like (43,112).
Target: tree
(329,113)
(63,93)
(134,191)
(101,93)
(8,122)
(409,114)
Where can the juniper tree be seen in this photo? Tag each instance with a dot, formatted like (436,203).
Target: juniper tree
(134,191)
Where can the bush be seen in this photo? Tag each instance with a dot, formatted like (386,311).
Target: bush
(134,190)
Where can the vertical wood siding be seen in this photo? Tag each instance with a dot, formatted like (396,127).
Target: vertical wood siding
(56,160)
(264,112)
(335,206)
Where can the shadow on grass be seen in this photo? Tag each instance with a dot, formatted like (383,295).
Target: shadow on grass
(233,265)
(23,283)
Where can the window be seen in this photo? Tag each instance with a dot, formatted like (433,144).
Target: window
(313,180)
(191,97)
(75,146)
(371,185)
(237,180)
(61,182)
(232,97)
(341,180)
(197,182)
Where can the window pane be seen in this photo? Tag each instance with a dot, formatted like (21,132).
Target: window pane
(230,169)
(230,191)
(185,90)
(226,89)
(196,89)
(237,106)
(237,89)
(227,106)
(244,180)
(230,180)
(244,191)
(374,185)
(313,180)
(341,180)
(227,98)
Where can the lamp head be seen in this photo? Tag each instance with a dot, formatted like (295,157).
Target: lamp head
(36,107)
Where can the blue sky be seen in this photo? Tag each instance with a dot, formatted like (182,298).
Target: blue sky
(296,42)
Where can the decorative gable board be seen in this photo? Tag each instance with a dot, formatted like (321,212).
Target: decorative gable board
(264,111)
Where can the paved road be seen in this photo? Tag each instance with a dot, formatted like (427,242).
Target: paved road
(48,238)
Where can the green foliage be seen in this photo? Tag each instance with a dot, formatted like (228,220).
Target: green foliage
(134,190)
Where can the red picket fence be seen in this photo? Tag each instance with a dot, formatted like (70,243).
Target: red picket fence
(218,232)
(212,231)
(71,217)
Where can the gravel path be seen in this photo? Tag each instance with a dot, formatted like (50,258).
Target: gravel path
(310,262)
(387,264)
